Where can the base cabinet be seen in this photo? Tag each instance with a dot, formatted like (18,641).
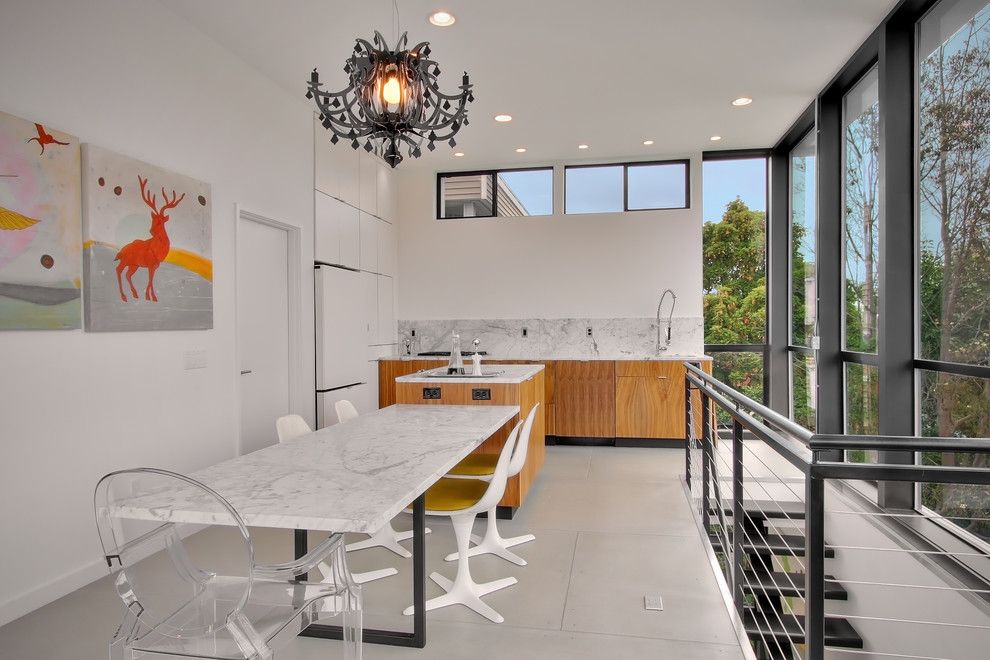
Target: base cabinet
(649,400)
(584,398)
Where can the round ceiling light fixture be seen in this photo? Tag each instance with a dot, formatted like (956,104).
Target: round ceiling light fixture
(741,101)
(715,138)
(582,146)
(647,142)
(458,154)
(503,118)
(442,19)
(521,150)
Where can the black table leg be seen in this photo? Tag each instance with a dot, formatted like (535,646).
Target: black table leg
(301,543)
(414,639)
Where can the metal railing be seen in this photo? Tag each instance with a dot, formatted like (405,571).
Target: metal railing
(767,491)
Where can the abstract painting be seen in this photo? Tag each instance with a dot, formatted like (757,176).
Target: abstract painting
(146,246)
(40,240)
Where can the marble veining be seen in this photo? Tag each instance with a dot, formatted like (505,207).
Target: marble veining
(351,477)
(618,338)
(512,374)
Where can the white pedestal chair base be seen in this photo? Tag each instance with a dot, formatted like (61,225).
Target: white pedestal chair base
(360,578)
(463,590)
(386,537)
(493,544)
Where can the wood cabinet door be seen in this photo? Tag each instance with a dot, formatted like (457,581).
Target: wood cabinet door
(584,398)
(649,399)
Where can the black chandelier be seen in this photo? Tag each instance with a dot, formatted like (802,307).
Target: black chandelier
(393,99)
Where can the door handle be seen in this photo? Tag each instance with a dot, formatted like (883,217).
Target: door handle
(661,377)
(245,371)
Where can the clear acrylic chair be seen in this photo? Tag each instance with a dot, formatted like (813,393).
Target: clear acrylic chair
(290,427)
(482,466)
(386,537)
(182,561)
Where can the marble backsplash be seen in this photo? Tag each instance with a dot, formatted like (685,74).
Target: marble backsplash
(557,338)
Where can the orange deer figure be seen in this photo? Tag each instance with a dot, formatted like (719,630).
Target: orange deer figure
(149,252)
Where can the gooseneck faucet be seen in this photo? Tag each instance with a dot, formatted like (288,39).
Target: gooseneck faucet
(670,318)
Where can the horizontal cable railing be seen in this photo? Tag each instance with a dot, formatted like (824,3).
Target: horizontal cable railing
(759,489)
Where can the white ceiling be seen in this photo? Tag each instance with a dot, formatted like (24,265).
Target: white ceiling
(608,74)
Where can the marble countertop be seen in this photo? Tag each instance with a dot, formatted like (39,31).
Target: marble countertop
(351,477)
(610,358)
(510,374)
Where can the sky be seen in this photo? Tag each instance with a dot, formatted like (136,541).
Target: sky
(724,180)
(594,190)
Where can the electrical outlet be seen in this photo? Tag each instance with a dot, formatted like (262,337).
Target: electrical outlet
(481,394)
(525,332)
(589,331)
(413,332)
(431,392)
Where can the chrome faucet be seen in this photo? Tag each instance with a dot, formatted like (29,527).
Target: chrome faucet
(670,318)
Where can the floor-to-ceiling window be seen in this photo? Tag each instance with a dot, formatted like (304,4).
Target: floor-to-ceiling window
(803,283)
(953,252)
(861,255)
(735,269)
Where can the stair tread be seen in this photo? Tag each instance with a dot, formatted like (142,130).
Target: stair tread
(789,584)
(763,509)
(838,631)
(776,544)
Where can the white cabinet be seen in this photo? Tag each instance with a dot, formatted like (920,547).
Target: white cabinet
(369,242)
(325,177)
(386,311)
(386,193)
(326,229)
(387,249)
(342,334)
(369,296)
(369,183)
(337,232)
(346,164)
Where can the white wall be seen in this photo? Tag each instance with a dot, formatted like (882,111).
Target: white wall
(610,265)
(134,78)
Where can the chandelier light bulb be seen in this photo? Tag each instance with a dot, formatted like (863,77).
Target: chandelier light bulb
(391,91)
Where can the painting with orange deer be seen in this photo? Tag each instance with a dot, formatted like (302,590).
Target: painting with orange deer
(39,227)
(146,245)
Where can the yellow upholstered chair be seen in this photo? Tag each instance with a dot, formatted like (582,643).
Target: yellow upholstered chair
(492,542)
(463,500)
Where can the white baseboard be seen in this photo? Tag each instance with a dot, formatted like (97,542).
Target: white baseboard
(30,600)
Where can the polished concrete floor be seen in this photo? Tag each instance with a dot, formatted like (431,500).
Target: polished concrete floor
(611,525)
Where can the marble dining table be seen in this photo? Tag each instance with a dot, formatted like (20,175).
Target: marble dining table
(351,477)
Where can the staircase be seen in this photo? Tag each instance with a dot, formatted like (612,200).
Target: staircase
(768,578)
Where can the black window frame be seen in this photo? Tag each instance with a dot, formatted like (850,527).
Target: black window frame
(625,165)
(494,174)
(764,348)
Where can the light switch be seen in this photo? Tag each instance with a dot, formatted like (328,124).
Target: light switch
(194,360)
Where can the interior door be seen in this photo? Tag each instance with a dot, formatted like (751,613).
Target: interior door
(262,330)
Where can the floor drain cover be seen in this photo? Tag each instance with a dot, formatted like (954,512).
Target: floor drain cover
(653,602)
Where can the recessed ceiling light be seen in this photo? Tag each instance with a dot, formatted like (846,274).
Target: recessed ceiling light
(458,154)
(715,138)
(582,146)
(647,142)
(741,101)
(503,118)
(442,19)
(521,150)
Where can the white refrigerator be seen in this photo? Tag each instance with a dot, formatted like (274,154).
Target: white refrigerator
(343,366)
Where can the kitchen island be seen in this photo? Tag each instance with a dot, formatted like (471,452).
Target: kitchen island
(622,400)
(506,384)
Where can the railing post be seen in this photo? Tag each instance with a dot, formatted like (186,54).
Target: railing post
(687,430)
(706,448)
(738,516)
(814,576)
